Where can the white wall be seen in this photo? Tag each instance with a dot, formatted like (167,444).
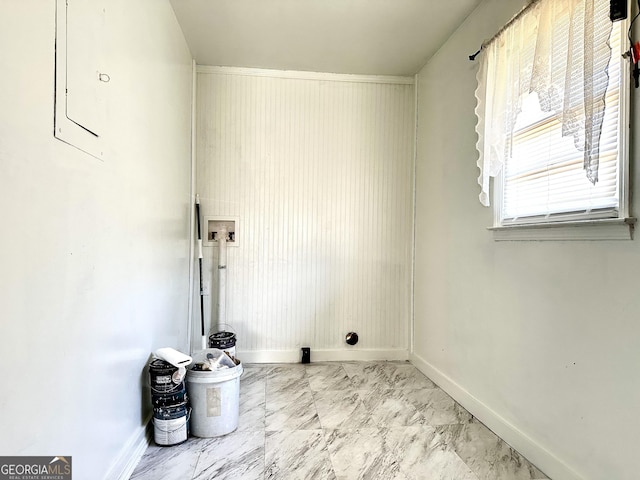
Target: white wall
(93,255)
(540,340)
(319,170)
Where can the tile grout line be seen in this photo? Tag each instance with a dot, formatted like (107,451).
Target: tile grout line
(264,426)
(322,429)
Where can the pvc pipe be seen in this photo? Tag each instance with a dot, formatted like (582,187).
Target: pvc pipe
(222,243)
(192,189)
(222,277)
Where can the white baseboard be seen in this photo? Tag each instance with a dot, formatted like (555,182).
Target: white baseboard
(130,455)
(337,355)
(542,458)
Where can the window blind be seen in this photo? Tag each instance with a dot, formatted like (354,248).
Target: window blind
(544,179)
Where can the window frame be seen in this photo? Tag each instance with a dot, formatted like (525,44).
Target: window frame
(586,226)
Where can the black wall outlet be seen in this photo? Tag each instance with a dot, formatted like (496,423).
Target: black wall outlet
(306,355)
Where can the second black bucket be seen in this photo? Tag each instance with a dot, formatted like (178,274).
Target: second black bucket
(176,397)
(225,341)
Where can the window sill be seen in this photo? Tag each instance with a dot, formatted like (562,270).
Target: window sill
(605,229)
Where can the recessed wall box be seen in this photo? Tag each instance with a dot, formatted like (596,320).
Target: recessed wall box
(215,224)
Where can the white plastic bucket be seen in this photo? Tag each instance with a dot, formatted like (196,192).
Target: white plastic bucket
(214,397)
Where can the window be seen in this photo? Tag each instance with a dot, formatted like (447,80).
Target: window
(553,120)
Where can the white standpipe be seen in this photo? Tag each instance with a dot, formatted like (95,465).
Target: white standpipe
(222,277)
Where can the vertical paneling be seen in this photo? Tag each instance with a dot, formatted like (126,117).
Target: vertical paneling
(320,173)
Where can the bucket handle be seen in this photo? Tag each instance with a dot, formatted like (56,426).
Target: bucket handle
(172,390)
(175,429)
(233,330)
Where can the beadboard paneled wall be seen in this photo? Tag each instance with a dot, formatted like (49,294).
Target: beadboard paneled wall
(319,171)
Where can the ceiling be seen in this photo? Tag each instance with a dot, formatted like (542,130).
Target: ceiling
(379,37)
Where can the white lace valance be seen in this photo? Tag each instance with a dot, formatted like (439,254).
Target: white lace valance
(558,49)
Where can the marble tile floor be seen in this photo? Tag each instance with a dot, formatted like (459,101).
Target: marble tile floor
(343,421)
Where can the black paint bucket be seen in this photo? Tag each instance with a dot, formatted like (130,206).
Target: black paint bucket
(171,398)
(164,378)
(225,341)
